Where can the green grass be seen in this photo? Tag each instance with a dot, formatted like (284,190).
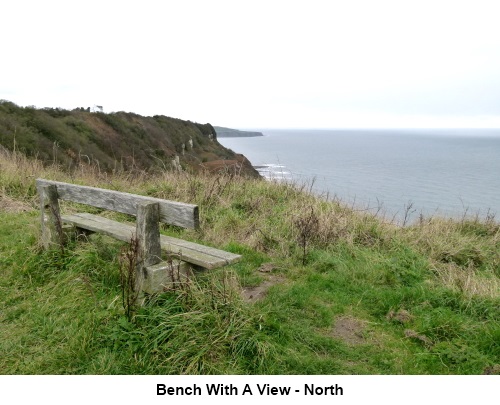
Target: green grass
(371,298)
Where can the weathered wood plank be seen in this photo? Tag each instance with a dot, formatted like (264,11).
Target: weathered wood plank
(52,232)
(173,245)
(114,229)
(171,212)
(203,256)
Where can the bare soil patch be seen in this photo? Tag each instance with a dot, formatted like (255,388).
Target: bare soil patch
(349,329)
(492,370)
(253,294)
(402,316)
(411,334)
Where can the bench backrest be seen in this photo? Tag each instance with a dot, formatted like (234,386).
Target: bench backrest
(171,212)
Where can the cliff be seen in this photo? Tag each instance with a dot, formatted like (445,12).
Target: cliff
(235,133)
(115,142)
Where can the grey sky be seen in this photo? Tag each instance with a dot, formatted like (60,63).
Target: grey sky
(260,63)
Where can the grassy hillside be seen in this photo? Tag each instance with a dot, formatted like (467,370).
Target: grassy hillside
(321,289)
(113,142)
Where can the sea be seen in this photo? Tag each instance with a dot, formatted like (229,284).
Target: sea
(397,174)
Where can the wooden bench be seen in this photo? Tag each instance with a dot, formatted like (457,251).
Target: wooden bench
(151,271)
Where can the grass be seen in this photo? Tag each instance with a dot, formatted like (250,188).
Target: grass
(355,294)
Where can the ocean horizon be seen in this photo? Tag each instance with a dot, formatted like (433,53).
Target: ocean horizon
(392,172)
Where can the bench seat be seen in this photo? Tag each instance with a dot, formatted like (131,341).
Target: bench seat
(199,255)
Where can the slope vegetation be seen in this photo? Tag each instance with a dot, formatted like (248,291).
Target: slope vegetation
(114,142)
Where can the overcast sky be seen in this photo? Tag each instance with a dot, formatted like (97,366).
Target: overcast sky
(259,64)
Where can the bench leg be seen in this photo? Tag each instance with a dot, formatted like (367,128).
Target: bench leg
(52,229)
(166,275)
(148,240)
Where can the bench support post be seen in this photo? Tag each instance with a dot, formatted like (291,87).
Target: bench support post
(166,275)
(148,240)
(52,229)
